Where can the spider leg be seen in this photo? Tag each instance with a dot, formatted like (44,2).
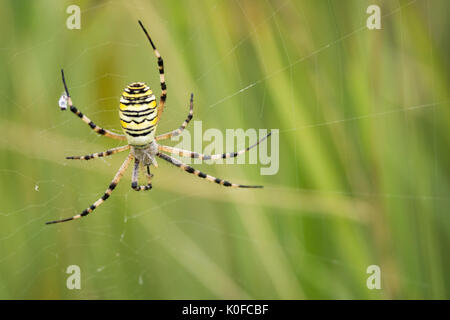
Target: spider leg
(149,175)
(88,121)
(135,176)
(105,196)
(178,131)
(163,96)
(100,154)
(191,154)
(200,174)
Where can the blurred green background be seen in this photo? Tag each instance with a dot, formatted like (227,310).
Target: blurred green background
(364,173)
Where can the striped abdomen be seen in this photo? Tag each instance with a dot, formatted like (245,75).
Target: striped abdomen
(138,114)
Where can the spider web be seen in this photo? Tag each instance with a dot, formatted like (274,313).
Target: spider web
(170,242)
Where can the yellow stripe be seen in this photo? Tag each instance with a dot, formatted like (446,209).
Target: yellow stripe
(137,95)
(138,107)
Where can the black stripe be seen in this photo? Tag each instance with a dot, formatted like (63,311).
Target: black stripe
(105,196)
(139,134)
(134,102)
(189,169)
(226,183)
(137,111)
(112,186)
(136,85)
(138,122)
(144,97)
(137,91)
(85,212)
(202,175)
(136,115)
(75,110)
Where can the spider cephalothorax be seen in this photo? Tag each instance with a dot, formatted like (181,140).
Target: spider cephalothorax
(139,115)
(146,154)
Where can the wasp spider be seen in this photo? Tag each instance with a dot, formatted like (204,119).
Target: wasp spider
(139,115)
